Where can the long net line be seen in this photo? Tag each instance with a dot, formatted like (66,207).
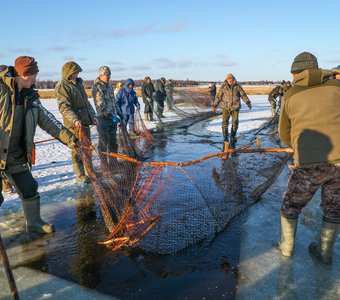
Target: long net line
(164,207)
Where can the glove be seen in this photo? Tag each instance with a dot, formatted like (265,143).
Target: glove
(249,105)
(115,120)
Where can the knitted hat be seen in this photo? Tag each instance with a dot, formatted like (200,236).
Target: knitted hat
(230,76)
(25,66)
(304,61)
(104,70)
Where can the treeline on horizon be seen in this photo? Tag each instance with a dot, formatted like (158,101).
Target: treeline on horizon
(88,84)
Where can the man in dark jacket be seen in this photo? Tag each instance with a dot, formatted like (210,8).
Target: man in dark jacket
(77,112)
(147,90)
(212,92)
(230,94)
(20,113)
(312,128)
(160,95)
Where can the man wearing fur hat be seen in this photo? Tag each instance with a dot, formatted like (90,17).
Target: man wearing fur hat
(20,113)
(77,112)
(230,94)
(310,124)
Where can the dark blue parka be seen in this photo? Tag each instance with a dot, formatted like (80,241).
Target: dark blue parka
(126,99)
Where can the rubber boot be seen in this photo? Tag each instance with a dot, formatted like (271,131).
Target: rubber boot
(225,134)
(233,135)
(34,222)
(323,249)
(273,112)
(288,232)
(146,116)
(78,168)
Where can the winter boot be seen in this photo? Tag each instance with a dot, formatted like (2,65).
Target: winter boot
(273,112)
(288,232)
(34,222)
(233,135)
(225,134)
(323,249)
(78,168)
(146,117)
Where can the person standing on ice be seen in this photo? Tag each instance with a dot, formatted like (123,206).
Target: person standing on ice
(107,111)
(159,96)
(147,90)
(118,87)
(77,112)
(20,113)
(212,92)
(230,94)
(169,92)
(126,102)
(275,96)
(310,124)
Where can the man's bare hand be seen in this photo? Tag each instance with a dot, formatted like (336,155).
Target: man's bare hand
(77,124)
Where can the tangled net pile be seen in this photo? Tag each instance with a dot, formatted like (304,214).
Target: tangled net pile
(163,207)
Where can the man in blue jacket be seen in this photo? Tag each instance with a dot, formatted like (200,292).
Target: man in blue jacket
(126,101)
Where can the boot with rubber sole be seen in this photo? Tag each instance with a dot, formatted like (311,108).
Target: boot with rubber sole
(34,222)
(288,233)
(323,249)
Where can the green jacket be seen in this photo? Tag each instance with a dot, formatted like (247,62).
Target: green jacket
(310,118)
(72,99)
(230,96)
(35,114)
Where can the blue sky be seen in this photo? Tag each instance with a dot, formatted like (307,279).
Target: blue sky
(200,40)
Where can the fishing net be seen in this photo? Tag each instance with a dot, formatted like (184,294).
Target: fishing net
(164,207)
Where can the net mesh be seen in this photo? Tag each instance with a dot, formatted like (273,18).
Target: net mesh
(164,207)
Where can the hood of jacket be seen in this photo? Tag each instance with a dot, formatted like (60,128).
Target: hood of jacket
(128,82)
(312,77)
(70,68)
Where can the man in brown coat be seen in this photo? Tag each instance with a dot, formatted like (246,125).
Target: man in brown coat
(77,112)
(230,94)
(310,124)
(20,113)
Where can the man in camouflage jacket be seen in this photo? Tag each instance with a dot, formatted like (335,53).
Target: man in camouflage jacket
(274,97)
(20,113)
(107,111)
(230,95)
(77,112)
(310,124)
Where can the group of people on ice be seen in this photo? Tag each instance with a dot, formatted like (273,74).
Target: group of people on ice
(309,124)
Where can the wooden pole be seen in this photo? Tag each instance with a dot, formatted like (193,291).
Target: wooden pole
(8,271)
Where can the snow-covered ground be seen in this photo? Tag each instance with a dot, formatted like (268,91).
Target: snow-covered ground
(53,169)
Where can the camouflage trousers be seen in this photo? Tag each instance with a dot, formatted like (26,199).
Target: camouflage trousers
(303,184)
(234,114)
